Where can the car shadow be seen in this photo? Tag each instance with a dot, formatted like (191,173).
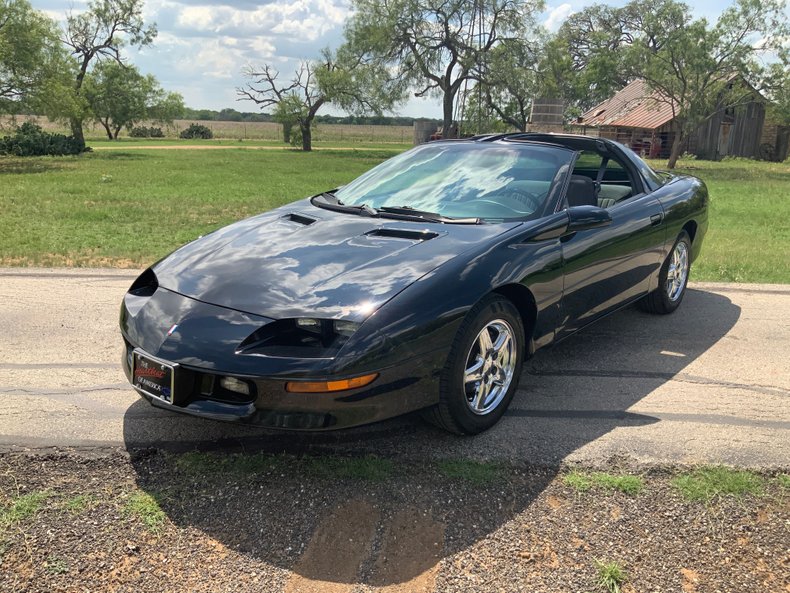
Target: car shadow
(570,396)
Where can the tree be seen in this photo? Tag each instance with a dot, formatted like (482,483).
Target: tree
(435,47)
(99,33)
(337,78)
(296,102)
(700,70)
(119,96)
(511,83)
(585,62)
(695,68)
(30,54)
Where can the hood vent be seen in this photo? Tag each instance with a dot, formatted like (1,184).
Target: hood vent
(405,234)
(299,218)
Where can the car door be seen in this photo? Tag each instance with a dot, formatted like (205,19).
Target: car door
(605,267)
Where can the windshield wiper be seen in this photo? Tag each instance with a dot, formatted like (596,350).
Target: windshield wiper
(425,215)
(330,202)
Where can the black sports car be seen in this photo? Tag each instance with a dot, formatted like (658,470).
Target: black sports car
(423,284)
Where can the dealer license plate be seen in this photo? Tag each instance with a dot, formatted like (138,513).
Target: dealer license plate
(154,377)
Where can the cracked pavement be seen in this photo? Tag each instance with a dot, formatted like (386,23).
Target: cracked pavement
(708,384)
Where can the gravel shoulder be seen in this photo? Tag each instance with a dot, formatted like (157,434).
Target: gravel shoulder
(163,522)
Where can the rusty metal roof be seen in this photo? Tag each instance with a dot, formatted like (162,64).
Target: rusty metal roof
(635,106)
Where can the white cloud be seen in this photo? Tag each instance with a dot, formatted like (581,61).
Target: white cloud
(557,16)
(305,19)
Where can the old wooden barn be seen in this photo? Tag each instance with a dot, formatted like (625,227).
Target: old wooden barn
(640,119)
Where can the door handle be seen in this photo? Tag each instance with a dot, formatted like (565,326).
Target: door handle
(655,219)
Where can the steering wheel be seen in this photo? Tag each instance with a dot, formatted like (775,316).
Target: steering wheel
(526,198)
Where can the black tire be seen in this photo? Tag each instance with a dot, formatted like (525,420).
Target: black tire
(454,410)
(660,301)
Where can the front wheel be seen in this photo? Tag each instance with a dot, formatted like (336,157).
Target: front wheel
(482,370)
(672,279)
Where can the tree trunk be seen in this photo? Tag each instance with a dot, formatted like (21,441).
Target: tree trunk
(107,128)
(448,130)
(115,134)
(674,154)
(287,132)
(76,131)
(307,135)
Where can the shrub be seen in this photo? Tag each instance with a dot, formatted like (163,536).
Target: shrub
(197,131)
(144,132)
(30,140)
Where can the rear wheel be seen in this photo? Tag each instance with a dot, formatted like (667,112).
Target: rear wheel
(672,279)
(482,370)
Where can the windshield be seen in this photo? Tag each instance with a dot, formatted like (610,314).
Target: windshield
(462,180)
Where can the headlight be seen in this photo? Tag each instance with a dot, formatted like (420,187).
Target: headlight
(298,338)
(234,384)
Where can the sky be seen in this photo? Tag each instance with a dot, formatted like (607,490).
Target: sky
(203,46)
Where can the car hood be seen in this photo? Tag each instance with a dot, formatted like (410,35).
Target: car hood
(301,260)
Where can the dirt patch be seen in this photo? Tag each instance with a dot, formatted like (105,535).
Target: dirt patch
(338,547)
(273,523)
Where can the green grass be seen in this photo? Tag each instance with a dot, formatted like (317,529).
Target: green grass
(79,504)
(140,143)
(55,565)
(748,239)
(369,468)
(145,507)
(196,462)
(611,576)
(22,507)
(586,481)
(471,471)
(129,206)
(711,482)
(784,481)
(324,467)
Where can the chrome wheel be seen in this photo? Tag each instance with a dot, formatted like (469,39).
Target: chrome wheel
(490,366)
(678,271)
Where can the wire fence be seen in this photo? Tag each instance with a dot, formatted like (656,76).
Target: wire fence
(232,130)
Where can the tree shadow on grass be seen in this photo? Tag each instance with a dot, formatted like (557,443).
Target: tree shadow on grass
(341,528)
(117,155)
(27,166)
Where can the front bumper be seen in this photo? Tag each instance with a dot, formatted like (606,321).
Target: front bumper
(410,386)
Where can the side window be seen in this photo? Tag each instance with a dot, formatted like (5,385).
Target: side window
(587,164)
(616,184)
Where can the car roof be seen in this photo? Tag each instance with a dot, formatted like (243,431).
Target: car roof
(567,141)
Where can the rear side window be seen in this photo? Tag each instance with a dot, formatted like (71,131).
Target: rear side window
(587,164)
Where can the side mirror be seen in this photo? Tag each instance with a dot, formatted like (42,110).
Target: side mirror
(581,218)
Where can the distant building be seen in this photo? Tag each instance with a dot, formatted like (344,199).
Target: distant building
(640,119)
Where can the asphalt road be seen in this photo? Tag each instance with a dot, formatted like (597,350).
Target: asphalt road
(708,384)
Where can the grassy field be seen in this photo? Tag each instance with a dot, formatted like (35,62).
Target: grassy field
(749,235)
(128,207)
(231,130)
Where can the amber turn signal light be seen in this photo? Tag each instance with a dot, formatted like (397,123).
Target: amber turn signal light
(329,386)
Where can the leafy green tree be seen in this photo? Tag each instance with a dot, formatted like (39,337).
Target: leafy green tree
(337,78)
(435,47)
(699,69)
(119,97)
(778,89)
(694,67)
(510,84)
(31,56)
(100,32)
(586,61)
